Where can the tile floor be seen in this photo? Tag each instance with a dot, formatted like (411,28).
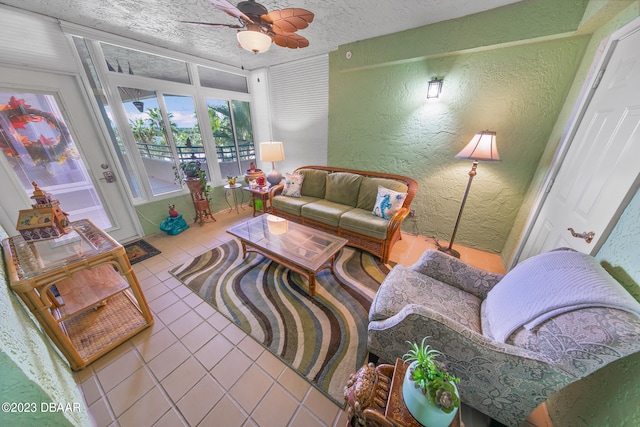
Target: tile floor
(195,368)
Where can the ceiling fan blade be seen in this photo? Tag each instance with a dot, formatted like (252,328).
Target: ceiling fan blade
(288,20)
(206,24)
(230,9)
(290,40)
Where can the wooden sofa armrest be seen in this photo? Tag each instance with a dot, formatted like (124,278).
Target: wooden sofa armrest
(275,190)
(396,221)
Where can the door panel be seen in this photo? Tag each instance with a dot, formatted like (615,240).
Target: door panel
(600,171)
(50,138)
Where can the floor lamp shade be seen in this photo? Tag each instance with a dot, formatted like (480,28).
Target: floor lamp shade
(272,152)
(481,147)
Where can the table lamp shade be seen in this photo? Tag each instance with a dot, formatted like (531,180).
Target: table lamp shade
(271,151)
(481,147)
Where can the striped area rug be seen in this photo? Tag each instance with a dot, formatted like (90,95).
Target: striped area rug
(324,338)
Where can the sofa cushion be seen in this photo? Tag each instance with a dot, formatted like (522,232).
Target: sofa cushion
(325,212)
(291,205)
(388,202)
(369,190)
(315,182)
(363,222)
(343,188)
(292,185)
(403,287)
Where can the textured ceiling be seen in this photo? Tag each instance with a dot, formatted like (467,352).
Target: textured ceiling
(336,23)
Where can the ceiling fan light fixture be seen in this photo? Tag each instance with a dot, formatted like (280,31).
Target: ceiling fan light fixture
(254,41)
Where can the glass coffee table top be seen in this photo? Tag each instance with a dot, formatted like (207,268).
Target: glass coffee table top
(297,243)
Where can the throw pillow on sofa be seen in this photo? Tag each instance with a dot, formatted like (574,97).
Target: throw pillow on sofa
(292,185)
(388,202)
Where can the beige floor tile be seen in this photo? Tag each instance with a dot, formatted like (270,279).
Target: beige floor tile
(213,351)
(304,418)
(156,291)
(174,311)
(171,419)
(321,406)
(234,333)
(225,413)
(156,344)
(119,369)
(199,336)
(146,411)
(169,360)
(182,379)
(198,401)
(185,324)
(91,390)
(294,384)
(251,388)
(271,364)
(230,368)
(100,413)
(276,409)
(218,321)
(250,347)
(127,393)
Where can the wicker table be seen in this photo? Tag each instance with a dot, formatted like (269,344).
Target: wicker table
(81,289)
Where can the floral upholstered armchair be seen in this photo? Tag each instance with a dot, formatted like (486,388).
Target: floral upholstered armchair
(515,339)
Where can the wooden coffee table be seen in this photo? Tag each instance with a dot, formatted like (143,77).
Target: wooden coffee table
(295,246)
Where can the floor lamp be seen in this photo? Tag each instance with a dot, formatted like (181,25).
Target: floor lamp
(272,152)
(481,147)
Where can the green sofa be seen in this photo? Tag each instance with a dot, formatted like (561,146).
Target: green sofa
(341,202)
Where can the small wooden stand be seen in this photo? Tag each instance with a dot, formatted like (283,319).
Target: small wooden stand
(262,194)
(374,398)
(200,201)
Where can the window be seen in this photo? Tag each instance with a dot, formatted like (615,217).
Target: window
(231,127)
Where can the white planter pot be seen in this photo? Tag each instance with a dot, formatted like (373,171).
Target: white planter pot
(419,406)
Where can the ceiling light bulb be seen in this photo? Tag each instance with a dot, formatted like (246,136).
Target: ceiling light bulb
(254,41)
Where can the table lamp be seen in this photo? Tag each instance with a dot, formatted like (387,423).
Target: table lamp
(272,152)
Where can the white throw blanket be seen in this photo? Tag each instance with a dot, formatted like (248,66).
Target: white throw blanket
(549,284)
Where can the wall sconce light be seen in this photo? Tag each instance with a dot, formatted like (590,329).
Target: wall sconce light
(434,89)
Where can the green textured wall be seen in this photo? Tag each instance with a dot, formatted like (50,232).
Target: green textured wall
(507,70)
(152,214)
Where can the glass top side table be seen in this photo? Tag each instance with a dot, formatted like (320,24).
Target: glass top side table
(81,288)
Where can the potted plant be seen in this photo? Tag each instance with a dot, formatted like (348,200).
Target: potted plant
(429,391)
(196,179)
(231,180)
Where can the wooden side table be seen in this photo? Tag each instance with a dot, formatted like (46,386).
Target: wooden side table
(262,194)
(81,288)
(374,398)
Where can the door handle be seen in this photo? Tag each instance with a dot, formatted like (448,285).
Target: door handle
(588,237)
(108,176)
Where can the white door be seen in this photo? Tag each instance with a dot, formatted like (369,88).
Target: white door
(48,136)
(601,169)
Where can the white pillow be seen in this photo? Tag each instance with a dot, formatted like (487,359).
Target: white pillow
(292,185)
(388,202)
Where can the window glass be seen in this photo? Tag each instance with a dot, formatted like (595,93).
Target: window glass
(231,128)
(148,128)
(217,79)
(39,148)
(129,61)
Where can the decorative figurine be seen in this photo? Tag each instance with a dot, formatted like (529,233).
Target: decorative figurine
(174,223)
(46,220)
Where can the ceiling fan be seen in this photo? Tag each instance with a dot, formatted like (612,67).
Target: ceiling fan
(259,27)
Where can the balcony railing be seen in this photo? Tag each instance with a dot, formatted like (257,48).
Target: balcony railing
(225,154)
